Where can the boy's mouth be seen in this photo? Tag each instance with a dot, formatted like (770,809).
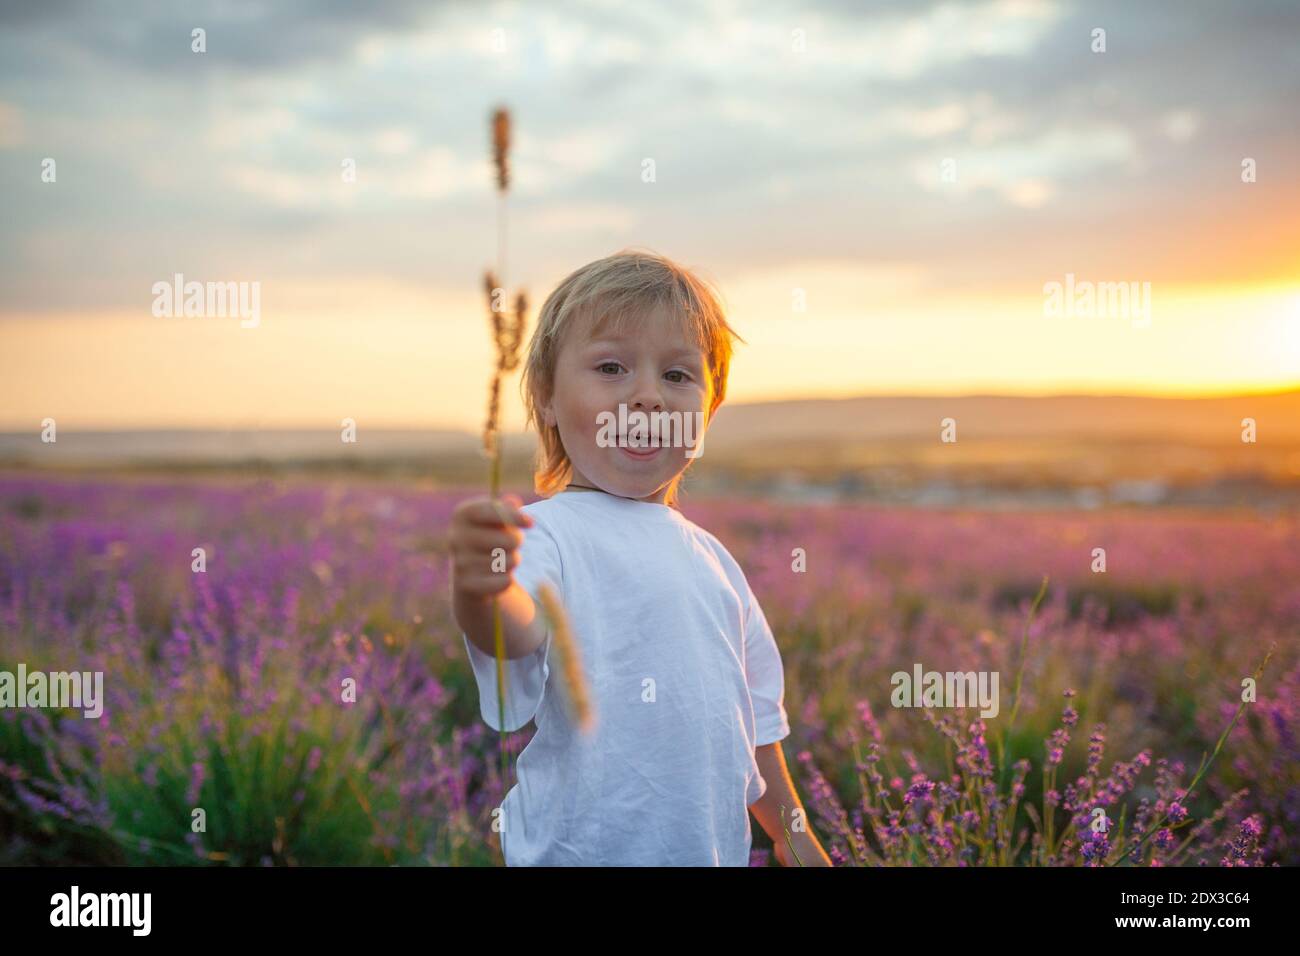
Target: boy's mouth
(639,449)
(645,455)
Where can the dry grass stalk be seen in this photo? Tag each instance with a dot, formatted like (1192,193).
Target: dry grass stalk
(507,337)
(501,147)
(572,682)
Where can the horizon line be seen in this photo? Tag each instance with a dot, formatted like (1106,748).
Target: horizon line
(9,428)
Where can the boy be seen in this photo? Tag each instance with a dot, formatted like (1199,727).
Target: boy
(685,676)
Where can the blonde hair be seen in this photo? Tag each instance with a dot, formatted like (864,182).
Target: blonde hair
(611,292)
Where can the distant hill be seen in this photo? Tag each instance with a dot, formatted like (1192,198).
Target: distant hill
(1060,449)
(217,445)
(988,417)
(843,421)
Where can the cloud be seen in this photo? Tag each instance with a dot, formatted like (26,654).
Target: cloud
(764,154)
(1181,125)
(1024,172)
(911,43)
(579,217)
(154,36)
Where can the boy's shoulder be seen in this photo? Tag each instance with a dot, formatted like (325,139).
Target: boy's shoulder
(550,518)
(713,540)
(724,556)
(543,506)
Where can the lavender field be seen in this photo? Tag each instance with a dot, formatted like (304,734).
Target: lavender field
(223,687)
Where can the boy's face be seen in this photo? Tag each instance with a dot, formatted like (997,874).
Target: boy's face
(651,367)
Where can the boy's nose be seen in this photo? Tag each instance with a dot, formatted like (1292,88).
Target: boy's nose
(645,397)
(651,405)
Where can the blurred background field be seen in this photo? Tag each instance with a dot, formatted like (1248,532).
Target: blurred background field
(223,687)
(883,194)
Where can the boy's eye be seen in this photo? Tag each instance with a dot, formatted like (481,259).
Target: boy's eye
(686,376)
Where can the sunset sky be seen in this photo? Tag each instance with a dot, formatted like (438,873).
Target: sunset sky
(795,147)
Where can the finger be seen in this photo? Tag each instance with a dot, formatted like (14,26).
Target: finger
(516,506)
(492,513)
(473,565)
(483,585)
(510,505)
(484,540)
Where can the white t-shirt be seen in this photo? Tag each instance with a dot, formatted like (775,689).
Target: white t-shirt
(684,678)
